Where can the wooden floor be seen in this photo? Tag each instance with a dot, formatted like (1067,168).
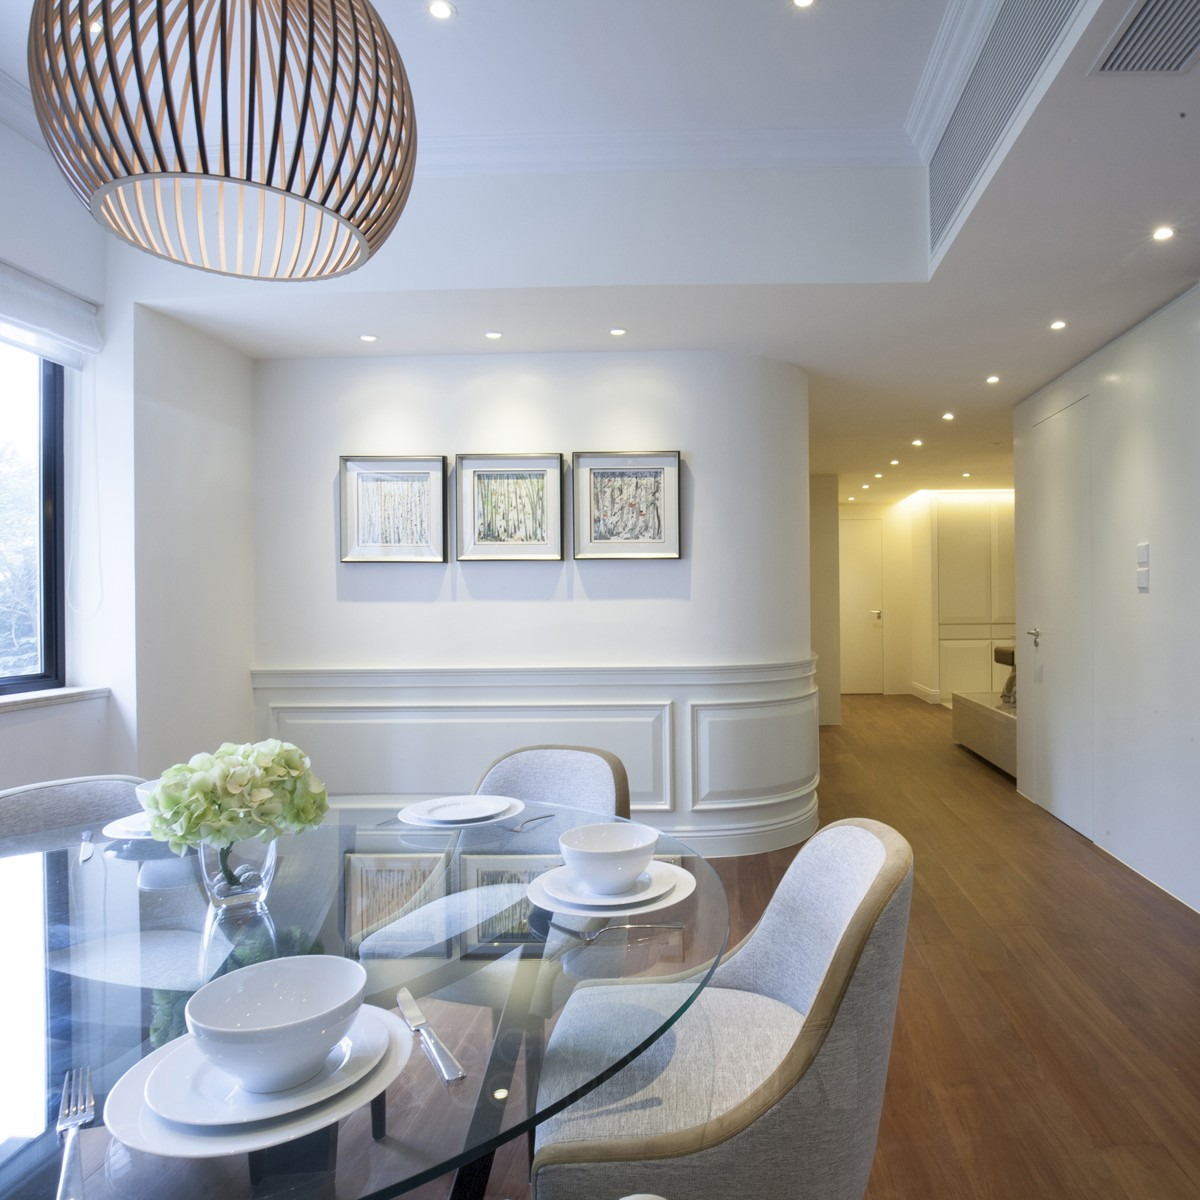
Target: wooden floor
(1047,1042)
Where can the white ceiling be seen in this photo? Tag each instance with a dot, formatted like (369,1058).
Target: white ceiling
(555,86)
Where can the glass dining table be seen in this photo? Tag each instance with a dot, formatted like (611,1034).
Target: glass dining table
(108,935)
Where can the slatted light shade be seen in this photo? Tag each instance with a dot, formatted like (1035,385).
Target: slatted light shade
(269,139)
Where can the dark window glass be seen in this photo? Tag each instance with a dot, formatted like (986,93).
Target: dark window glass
(31,522)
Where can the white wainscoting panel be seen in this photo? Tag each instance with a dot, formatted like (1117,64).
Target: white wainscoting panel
(723,757)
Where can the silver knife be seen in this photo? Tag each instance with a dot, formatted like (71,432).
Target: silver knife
(439,1055)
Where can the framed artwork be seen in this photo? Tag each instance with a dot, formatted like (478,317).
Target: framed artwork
(494,934)
(393,509)
(381,888)
(509,506)
(627,505)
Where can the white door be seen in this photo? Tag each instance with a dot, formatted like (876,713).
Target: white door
(860,552)
(1054,665)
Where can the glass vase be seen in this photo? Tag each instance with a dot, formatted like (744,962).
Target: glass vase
(240,874)
(238,928)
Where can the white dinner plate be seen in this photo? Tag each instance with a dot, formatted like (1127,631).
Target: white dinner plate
(684,884)
(186,1088)
(448,811)
(133,1122)
(655,881)
(124,829)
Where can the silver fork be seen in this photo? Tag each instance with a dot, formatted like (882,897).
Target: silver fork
(77,1109)
(588,936)
(528,821)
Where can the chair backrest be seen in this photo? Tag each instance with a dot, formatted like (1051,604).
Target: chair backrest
(818,908)
(89,799)
(575,775)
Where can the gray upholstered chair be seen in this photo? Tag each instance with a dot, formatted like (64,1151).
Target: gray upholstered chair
(576,775)
(37,807)
(774,1078)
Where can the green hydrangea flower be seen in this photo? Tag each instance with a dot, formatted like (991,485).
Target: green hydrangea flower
(256,790)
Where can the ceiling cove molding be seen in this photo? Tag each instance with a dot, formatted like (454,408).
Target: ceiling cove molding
(731,150)
(16,110)
(960,38)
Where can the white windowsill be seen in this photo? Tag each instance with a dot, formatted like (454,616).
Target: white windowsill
(50,696)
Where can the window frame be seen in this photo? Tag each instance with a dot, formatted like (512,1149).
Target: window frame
(53,551)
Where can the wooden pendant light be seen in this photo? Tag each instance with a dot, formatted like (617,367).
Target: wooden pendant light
(269,139)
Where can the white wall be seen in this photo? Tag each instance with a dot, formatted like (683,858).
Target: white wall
(36,199)
(196,472)
(739,593)
(826,609)
(1145,431)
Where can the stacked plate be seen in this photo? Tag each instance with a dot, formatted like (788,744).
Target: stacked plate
(448,812)
(659,886)
(176,1103)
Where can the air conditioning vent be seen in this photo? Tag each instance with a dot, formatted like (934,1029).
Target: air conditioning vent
(1162,35)
(1022,39)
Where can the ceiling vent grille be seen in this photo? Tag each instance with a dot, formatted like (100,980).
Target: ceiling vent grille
(1021,41)
(1163,35)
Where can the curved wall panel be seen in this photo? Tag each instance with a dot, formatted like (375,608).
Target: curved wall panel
(725,759)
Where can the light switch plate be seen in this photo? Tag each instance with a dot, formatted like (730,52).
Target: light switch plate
(1143,554)
(1143,579)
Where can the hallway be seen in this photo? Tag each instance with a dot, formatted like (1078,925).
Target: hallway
(1047,1042)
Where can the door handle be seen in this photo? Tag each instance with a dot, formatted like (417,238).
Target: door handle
(877,613)
(1036,634)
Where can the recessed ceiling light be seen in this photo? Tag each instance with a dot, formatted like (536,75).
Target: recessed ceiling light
(1058,325)
(993,379)
(947,416)
(878,474)
(803,3)
(866,486)
(618,332)
(917,442)
(1164,233)
(895,462)
(442,9)
(367,337)
(966,474)
(851,499)
(493,334)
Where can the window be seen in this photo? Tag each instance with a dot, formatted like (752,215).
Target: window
(31,522)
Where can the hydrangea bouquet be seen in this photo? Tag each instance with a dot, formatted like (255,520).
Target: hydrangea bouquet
(257,790)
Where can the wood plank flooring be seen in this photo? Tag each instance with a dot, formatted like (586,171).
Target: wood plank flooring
(1047,1041)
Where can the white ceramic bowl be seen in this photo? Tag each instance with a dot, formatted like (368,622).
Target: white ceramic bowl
(607,859)
(271,1025)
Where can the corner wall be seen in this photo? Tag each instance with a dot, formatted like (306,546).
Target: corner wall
(406,679)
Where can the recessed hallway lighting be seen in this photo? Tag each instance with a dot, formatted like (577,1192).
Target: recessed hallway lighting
(947,416)
(878,474)
(1056,325)
(803,3)
(966,474)
(442,9)
(894,463)
(367,337)
(917,442)
(493,334)
(618,332)
(993,379)
(1164,233)
(866,486)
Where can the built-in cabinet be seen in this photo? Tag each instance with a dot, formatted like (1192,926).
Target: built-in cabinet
(975,592)
(963,592)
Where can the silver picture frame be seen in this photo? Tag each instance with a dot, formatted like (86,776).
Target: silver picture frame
(509,507)
(626,504)
(393,509)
